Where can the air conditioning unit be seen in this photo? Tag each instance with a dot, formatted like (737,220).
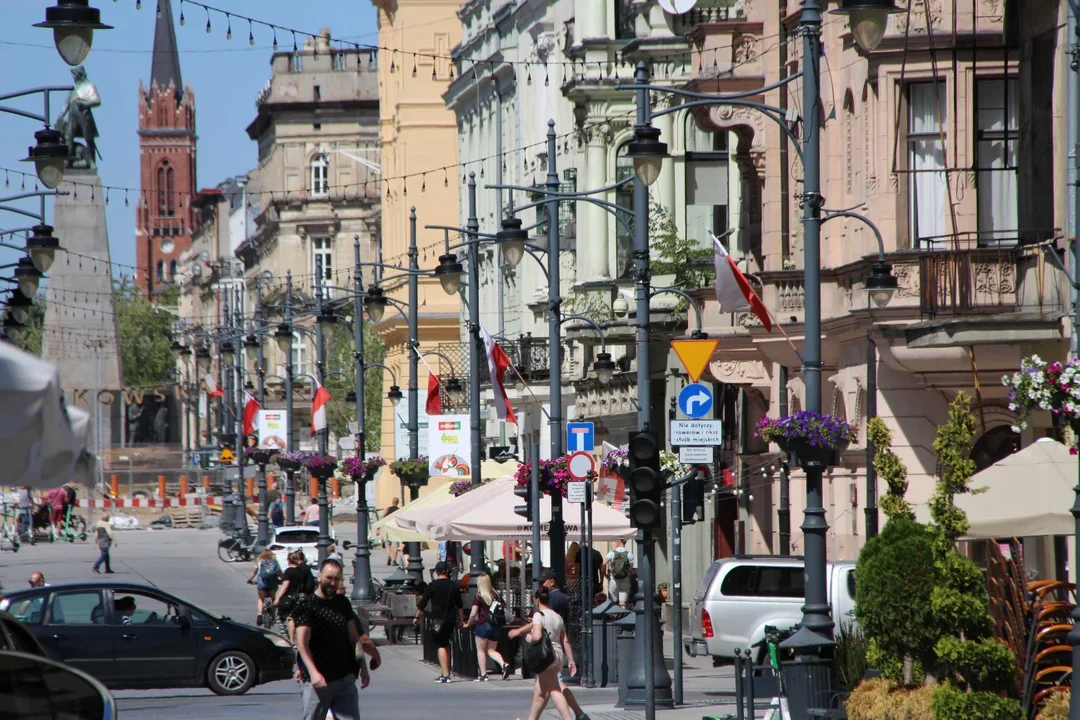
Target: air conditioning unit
(491,427)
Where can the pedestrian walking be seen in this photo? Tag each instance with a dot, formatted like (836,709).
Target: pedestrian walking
(392,548)
(488,616)
(440,606)
(560,604)
(26,522)
(266,576)
(103,538)
(297,582)
(277,513)
(327,633)
(619,568)
(547,626)
(56,498)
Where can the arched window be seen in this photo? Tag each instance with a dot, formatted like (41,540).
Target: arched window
(172,271)
(706,182)
(162,206)
(320,176)
(170,183)
(161,271)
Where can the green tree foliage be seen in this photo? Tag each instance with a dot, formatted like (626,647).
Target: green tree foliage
(894,579)
(673,254)
(889,468)
(953,447)
(145,333)
(340,357)
(33,336)
(952,703)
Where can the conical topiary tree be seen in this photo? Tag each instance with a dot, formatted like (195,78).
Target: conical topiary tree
(890,469)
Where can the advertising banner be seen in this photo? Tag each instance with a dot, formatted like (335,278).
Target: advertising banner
(448,445)
(272,427)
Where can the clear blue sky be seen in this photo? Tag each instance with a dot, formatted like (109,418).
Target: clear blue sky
(224,74)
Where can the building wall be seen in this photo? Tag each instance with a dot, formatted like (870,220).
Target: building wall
(417,137)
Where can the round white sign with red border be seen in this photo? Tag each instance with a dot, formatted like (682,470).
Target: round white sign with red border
(581,465)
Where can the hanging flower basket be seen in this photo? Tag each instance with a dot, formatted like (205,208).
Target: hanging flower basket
(291,461)
(412,473)
(362,469)
(554,475)
(321,467)
(1054,387)
(460,487)
(813,440)
(618,462)
(261,456)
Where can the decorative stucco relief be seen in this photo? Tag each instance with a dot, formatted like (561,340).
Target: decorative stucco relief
(995,278)
(917,14)
(740,372)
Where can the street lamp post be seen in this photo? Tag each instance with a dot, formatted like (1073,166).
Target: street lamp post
(324,318)
(472,225)
(284,338)
(363,591)
(415,567)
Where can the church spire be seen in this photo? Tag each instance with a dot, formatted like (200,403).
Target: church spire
(166,63)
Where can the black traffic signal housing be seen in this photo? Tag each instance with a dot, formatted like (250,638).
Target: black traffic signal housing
(525,511)
(646,481)
(693,498)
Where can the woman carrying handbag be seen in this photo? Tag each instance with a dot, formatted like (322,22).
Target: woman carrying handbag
(547,649)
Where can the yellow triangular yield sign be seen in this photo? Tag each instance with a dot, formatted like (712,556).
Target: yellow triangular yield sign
(694,355)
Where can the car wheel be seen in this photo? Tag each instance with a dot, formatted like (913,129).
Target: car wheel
(231,673)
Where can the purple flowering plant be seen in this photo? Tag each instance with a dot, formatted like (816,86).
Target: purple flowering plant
(616,460)
(1042,385)
(320,462)
(404,467)
(362,468)
(554,475)
(816,430)
(460,487)
(296,458)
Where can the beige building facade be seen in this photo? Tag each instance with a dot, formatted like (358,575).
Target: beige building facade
(958,156)
(418,142)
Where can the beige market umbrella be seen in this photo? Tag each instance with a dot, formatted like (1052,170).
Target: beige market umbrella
(1028,493)
(491,517)
(421,518)
(388,529)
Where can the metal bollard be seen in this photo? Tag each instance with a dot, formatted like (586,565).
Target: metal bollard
(738,685)
(750,715)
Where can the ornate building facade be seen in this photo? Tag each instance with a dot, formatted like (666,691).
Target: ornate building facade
(164,216)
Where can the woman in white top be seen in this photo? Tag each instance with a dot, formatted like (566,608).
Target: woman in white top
(547,682)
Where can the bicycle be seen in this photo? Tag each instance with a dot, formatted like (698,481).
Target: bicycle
(9,531)
(773,638)
(234,549)
(74,526)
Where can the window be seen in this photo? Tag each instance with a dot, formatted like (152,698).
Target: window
(318,93)
(568,210)
(77,608)
(136,608)
(323,260)
(783,582)
(739,581)
(296,63)
(161,188)
(170,197)
(624,19)
(299,357)
(624,198)
(28,610)
(337,60)
(161,271)
(927,189)
(320,176)
(706,183)
(851,584)
(316,126)
(172,271)
(996,135)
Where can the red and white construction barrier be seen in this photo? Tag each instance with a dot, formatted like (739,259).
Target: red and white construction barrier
(148,502)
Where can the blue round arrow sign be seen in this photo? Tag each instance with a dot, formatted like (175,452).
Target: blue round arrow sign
(696,400)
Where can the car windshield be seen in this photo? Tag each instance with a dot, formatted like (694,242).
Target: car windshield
(297,537)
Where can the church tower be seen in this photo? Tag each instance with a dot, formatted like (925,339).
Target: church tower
(164,215)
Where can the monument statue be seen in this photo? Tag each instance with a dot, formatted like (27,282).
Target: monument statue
(77,121)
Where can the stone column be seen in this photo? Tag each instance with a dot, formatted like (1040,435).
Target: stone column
(593,241)
(664,191)
(590,19)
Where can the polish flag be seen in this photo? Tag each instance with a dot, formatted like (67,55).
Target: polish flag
(434,396)
(251,408)
(212,389)
(318,408)
(733,291)
(498,362)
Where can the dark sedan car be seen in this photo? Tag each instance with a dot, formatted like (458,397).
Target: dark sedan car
(134,636)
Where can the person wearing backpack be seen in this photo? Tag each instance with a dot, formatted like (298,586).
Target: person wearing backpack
(488,616)
(267,577)
(620,567)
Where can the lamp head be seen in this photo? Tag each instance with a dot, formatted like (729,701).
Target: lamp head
(326,317)
(202,358)
(512,240)
(20,305)
(28,276)
(13,329)
(178,349)
(881,284)
(449,273)
(604,367)
(185,356)
(50,156)
(647,152)
(283,336)
(867,20)
(73,23)
(453,385)
(252,342)
(42,247)
(394,395)
(350,397)
(375,301)
(228,352)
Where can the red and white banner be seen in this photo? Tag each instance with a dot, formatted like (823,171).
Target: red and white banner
(212,389)
(733,291)
(148,502)
(251,408)
(318,408)
(498,362)
(434,394)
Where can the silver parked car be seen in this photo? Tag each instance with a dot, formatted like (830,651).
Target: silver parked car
(740,595)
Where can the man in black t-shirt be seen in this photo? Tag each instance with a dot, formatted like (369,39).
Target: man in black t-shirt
(441,603)
(327,633)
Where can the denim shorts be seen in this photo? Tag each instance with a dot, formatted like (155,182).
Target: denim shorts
(487,631)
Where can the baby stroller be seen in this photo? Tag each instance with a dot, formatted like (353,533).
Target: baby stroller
(41,529)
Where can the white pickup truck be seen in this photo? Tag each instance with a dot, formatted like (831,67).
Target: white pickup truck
(740,595)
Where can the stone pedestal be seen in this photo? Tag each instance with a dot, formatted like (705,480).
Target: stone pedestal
(80,336)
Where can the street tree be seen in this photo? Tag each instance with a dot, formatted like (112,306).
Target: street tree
(144,330)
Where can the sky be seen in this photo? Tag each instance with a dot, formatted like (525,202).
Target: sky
(225,76)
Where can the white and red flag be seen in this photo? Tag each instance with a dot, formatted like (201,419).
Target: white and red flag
(733,291)
(498,362)
(318,408)
(434,394)
(251,409)
(212,389)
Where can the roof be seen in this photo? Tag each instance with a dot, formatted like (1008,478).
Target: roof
(165,68)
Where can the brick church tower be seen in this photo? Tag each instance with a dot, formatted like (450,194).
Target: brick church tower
(164,215)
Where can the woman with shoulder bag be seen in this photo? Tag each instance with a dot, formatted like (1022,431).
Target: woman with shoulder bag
(548,647)
(488,615)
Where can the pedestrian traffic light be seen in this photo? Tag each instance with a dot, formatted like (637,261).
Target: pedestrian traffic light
(646,481)
(525,511)
(693,498)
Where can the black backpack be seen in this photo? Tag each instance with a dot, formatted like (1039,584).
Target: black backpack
(308,584)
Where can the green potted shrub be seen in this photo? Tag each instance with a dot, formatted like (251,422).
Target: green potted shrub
(412,473)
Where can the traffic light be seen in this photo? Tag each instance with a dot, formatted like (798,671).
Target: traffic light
(525,511)
(646,481)
(693,499)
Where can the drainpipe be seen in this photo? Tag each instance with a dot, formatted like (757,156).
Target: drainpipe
(871,413)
